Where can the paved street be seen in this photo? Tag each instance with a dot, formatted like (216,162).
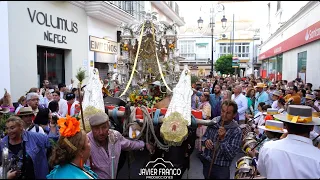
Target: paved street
(195,171)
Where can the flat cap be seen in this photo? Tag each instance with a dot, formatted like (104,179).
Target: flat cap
(98,119)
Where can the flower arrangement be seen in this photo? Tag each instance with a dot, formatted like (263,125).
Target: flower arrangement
(125,47)
(141,99)
(171,46)
(69,126)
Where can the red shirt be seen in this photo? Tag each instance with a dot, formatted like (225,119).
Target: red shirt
(69,108)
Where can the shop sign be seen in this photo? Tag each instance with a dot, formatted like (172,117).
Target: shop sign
(103,45)
(308,35)
(45,19)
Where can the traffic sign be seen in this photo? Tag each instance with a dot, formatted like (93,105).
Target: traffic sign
(235,59)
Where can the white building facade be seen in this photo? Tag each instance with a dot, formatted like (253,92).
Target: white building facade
(52,40)
(293,50)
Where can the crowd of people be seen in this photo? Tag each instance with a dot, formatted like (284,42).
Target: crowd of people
(251,99)
(45,140)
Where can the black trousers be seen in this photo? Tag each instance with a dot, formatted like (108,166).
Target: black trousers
(217,172)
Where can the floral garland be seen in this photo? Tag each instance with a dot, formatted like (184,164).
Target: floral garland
(69,126)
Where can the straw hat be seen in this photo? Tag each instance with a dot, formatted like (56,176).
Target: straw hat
(276,93)
(310,96)
(271,111)
(24,111)
(4,110)
(260,85)
(273,126)
(298,114)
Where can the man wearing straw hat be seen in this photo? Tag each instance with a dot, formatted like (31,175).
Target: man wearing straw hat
(27,114)
(261,96)
(275,97)
(273,130)
(293,157)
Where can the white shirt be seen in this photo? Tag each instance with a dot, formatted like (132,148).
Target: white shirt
(242,103)
(34,129)
(61,95)
(293,157)
(275,105)
(73,108)
(63,107)
(258,121)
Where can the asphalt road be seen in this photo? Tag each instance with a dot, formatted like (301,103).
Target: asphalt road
(195,171)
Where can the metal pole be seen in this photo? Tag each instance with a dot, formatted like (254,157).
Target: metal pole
(252,55)
(211,51)
(233,46)
(47,65)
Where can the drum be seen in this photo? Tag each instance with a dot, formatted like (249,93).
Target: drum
(245,128)
(249,136)
(248,145)
(244,168)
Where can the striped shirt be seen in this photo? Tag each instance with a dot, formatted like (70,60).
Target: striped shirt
(229,146)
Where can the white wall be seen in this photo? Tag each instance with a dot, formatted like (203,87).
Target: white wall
(101,29)
(4,49)
(290,63)
(300,24)
(161,16)
(24,37)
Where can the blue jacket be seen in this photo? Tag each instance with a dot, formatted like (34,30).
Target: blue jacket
(215,104)
(69,171)
(36,145)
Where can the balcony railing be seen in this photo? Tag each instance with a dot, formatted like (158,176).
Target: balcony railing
(124,5)
(239,55)
(188,56)
(203,56)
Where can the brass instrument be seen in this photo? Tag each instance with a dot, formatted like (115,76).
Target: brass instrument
(5,162)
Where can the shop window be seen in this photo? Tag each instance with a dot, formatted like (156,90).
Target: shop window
(302,65)
(50,64)
(279,67)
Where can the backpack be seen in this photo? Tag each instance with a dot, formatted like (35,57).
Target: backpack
(36,125)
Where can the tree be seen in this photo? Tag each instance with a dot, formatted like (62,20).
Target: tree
(224,64)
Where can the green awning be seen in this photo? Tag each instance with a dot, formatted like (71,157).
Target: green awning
(201,44)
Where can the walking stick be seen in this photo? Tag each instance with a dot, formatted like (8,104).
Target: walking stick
(214,154)
(80,98)
(81,75)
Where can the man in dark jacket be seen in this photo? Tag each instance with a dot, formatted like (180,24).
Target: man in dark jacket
(222,143)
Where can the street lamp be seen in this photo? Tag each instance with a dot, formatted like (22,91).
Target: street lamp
(214,11)
(224,22)
(200,23)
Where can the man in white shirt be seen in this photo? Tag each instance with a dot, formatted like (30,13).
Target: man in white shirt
(241,101)
(63,106)
(71,102)
(62,88)
(293,157)
(26,114)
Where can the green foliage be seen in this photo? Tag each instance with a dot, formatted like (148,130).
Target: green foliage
(194,79)
(224,64)
(81,75)
(3,120)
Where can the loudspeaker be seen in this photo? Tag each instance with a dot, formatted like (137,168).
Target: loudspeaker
(118,36)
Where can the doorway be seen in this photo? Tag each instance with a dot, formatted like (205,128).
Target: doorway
(51,66)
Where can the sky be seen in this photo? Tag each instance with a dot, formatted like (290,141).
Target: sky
(247,14)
